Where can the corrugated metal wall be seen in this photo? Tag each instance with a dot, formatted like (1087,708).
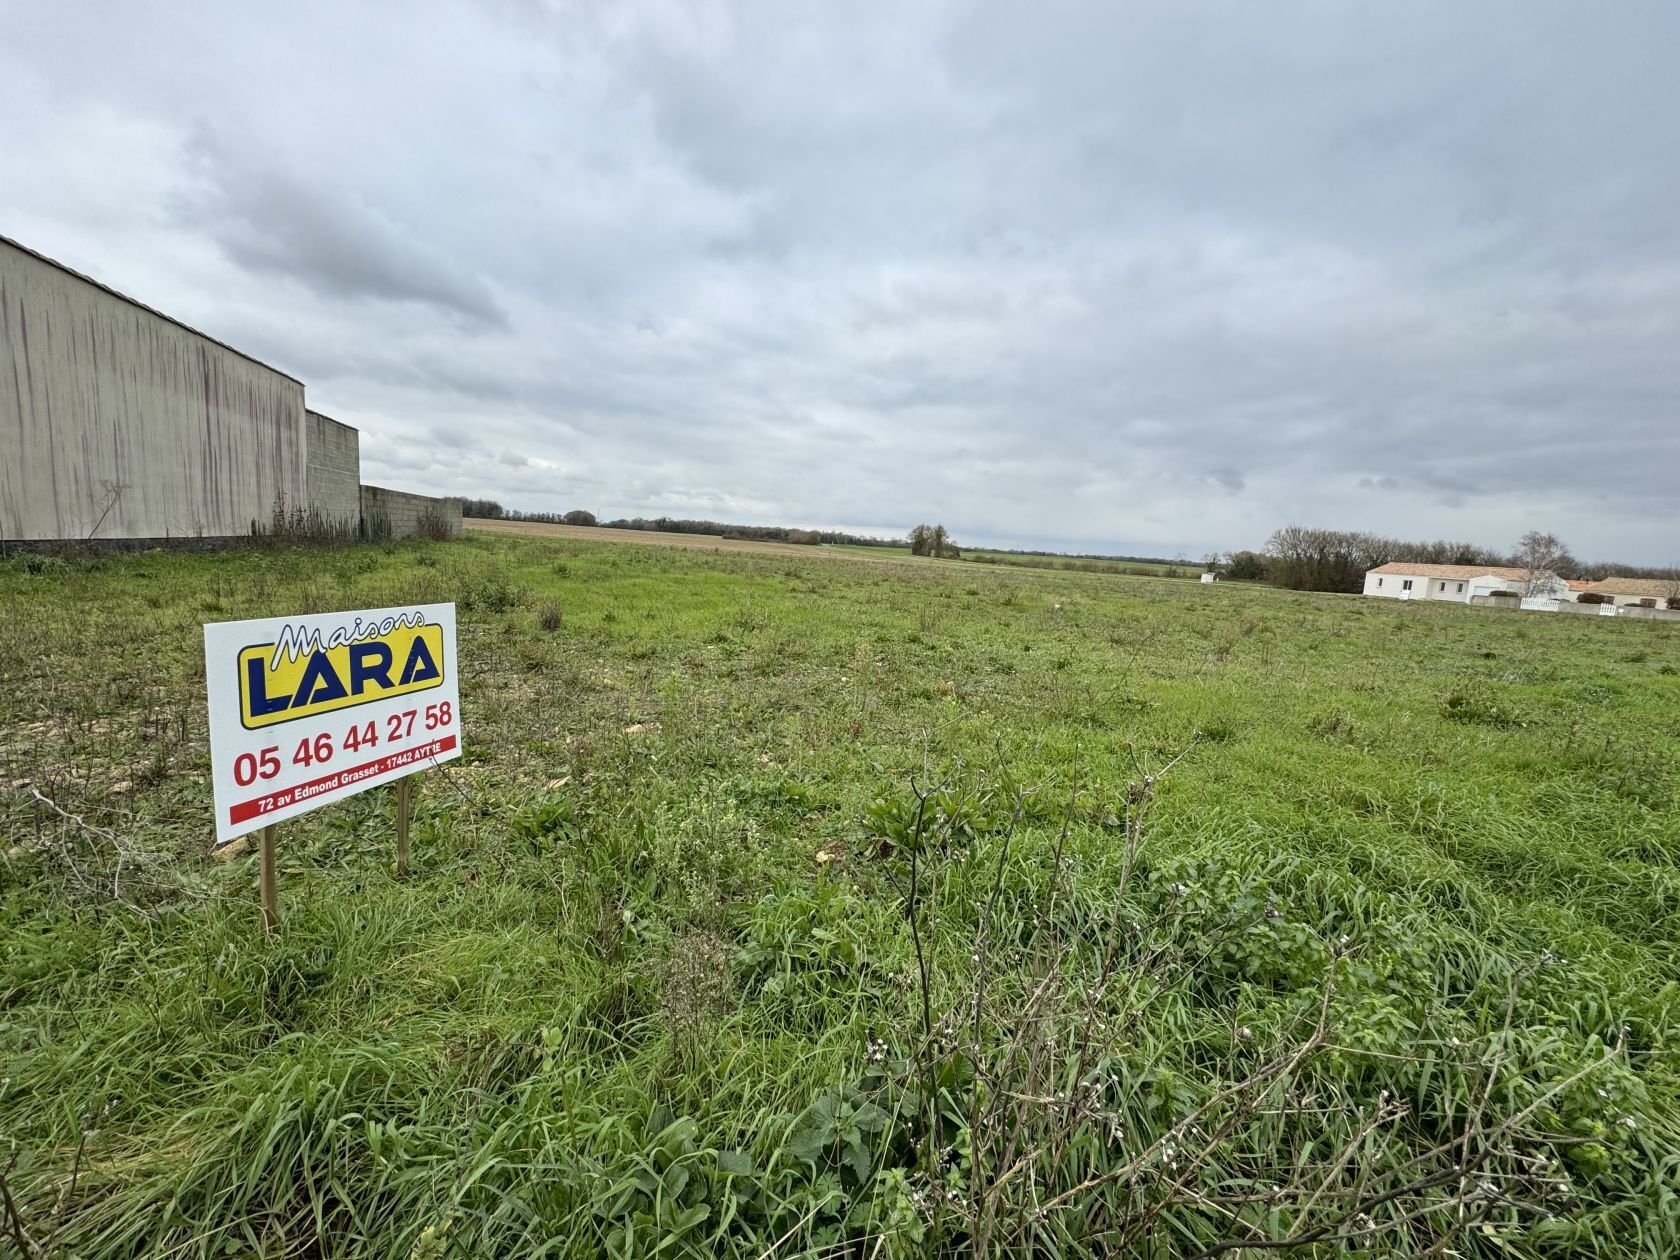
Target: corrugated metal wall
(118,423)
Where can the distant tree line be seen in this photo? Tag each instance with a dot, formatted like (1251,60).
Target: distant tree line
(1598,570)
(489,509)
(753,533)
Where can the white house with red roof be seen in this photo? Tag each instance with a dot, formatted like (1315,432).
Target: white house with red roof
(1637,592)
(1405,579)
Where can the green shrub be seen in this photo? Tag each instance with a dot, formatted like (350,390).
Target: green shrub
(488,589)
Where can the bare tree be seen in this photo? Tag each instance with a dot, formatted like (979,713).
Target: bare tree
(1540,556)
(1308,559)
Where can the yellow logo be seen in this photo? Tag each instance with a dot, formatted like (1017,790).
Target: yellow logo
(303,673)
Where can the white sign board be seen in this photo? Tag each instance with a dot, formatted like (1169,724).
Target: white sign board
(310,709)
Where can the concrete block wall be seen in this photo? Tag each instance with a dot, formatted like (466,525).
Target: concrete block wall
(407,515)
(334,471)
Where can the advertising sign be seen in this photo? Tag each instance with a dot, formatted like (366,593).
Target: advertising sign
(310,709)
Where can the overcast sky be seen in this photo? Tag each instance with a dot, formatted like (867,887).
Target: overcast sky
(1148,277)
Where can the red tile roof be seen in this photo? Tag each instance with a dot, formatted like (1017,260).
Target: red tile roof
(1647,588)
(1408,569)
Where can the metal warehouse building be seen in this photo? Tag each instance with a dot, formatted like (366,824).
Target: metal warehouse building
(118,423)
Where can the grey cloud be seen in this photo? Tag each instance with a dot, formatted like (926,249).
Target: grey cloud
(1229,478)
(1105,277)
(323,235)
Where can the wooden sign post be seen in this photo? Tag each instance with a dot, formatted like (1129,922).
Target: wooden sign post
(402,824)
(270,883)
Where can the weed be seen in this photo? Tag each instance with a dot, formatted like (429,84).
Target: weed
(1336,727)
(1480,705)
(488,590)
(36,564)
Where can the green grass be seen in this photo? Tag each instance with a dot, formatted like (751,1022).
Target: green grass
(655,984)
(1083,564)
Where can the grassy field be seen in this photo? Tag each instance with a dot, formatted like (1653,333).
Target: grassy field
(708,542)
(1083,564)
(687,542)
(807,905)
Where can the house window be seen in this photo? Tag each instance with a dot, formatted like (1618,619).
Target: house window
(1460,590)
(1379,581)
(1406,585)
